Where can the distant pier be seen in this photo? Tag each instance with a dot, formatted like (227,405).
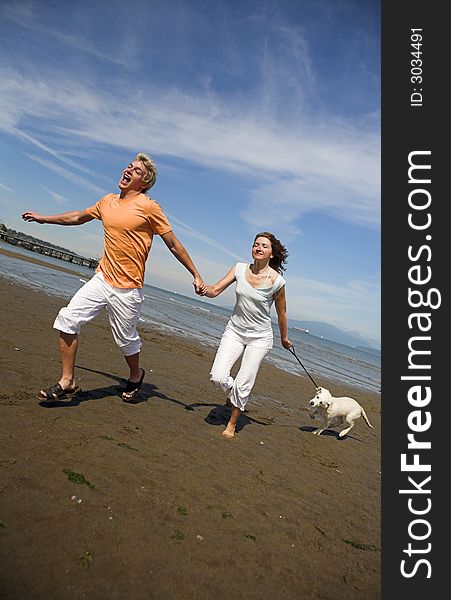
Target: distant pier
(48,251)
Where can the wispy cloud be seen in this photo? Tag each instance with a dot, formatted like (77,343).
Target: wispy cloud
(194,233)
(26,15)
(356,301)
(69,175)
(267,109)
(7,188)
(58,155)
(348,295)
(330,166)
(19,11)
(58,198)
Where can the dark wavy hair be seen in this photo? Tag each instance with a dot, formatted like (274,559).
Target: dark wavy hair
(279,252)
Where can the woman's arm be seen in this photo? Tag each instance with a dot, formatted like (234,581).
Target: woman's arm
(214,290)
(281,309)
(73,217)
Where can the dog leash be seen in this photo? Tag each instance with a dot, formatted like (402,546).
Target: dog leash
(292,350)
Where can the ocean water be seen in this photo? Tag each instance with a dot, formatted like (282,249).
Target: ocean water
(204,321)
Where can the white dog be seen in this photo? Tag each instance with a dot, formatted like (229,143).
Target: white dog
(333,411)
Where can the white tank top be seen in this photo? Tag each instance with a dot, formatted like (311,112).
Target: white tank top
(253,305)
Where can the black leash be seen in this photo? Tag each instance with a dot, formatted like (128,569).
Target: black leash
(296,357)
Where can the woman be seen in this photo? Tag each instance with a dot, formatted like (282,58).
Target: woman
(249,328)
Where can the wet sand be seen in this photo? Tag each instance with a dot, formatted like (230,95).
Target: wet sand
(103,499)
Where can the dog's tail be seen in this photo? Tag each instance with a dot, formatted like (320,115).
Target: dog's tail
(366,418)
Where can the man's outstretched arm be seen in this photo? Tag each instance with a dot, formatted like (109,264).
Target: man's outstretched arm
(181,254)
(73,217)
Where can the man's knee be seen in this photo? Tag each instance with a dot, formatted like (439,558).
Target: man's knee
(66,323)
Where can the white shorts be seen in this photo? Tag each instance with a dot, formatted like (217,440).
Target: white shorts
(123,306)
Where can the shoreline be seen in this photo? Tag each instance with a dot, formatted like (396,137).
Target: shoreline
(105,497)
(176,340)
(363,387)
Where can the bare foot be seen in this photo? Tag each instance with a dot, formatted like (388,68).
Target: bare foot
(229,432)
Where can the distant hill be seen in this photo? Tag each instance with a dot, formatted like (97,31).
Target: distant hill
(330,332)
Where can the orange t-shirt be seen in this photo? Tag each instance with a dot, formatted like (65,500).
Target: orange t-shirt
(129,225)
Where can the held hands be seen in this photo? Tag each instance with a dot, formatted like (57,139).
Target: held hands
(208,290)
(199,286)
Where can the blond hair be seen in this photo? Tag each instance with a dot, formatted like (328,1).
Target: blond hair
(151,170)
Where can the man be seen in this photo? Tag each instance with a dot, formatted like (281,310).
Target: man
(130,220)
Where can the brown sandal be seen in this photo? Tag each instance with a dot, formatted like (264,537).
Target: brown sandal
(56,392)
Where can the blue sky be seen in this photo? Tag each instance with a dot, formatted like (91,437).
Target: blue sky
(259,115)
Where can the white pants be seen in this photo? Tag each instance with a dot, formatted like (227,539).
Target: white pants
(122,304)
(256,346)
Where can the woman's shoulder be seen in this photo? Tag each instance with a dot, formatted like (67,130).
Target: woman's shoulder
(240,268)
(279,282)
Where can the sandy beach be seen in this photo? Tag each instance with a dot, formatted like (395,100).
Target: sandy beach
(102,499)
